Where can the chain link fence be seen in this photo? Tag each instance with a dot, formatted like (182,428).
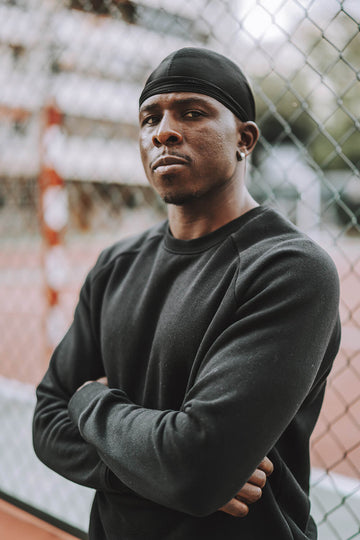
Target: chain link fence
(71,183)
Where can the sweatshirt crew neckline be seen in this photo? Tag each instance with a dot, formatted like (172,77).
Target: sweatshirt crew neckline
(207,241)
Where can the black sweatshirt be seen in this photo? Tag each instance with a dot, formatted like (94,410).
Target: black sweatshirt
(216,351)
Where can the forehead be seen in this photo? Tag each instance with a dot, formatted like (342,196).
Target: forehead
(173,99)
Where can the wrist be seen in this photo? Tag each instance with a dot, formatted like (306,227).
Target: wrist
(82,398)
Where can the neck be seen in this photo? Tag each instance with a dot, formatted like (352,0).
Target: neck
(202,217)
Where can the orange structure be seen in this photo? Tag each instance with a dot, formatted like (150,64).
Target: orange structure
(53,218)
(16,524)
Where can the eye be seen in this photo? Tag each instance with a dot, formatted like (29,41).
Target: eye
(193,114)
(150,120)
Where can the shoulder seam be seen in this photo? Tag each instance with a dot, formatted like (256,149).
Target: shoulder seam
(238,268)
(111,262)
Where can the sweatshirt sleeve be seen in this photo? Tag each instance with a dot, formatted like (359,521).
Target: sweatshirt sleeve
(247,389)
(57,441)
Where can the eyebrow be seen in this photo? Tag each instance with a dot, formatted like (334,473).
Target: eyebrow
(182,101)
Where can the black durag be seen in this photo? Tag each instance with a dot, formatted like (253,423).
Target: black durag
(203,71)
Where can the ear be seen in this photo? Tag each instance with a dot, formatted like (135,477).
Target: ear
(248,136)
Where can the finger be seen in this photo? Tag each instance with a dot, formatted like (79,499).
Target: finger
(235,508)
(267,466)
(103,380)
(258,478)
(249,494)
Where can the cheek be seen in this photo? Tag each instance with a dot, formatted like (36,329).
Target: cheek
(145,149)
(227,147)
(145,155)
(142,148)
(218,150)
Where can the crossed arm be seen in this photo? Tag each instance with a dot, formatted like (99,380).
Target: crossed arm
(250,492)
(59,444)
(116,444)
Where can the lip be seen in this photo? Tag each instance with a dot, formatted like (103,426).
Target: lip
(168,160)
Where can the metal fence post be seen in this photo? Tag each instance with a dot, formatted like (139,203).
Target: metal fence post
(54,218)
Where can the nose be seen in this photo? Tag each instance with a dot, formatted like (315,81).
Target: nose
(167,133)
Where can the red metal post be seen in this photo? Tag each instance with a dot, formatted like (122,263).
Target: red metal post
(54,217)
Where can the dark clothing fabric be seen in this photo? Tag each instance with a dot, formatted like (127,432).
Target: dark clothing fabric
(216,351)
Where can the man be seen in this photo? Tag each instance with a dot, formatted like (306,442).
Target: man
(200,346)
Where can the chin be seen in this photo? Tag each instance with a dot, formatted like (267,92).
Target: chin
(179,199)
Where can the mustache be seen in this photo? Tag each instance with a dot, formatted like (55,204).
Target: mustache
(170,154)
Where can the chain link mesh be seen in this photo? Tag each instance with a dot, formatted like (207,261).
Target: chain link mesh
(87,60)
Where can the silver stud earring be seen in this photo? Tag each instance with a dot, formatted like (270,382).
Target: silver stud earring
(240,155)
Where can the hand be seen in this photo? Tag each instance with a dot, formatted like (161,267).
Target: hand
(251,492)
(102,380)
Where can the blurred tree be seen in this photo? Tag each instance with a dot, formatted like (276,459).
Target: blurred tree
(317,100)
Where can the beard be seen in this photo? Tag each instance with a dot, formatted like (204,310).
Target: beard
(179,199)
(172,194)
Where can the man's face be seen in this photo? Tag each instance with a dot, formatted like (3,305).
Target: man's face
(188,145)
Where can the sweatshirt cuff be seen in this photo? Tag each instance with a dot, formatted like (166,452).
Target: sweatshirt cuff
(82,398)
